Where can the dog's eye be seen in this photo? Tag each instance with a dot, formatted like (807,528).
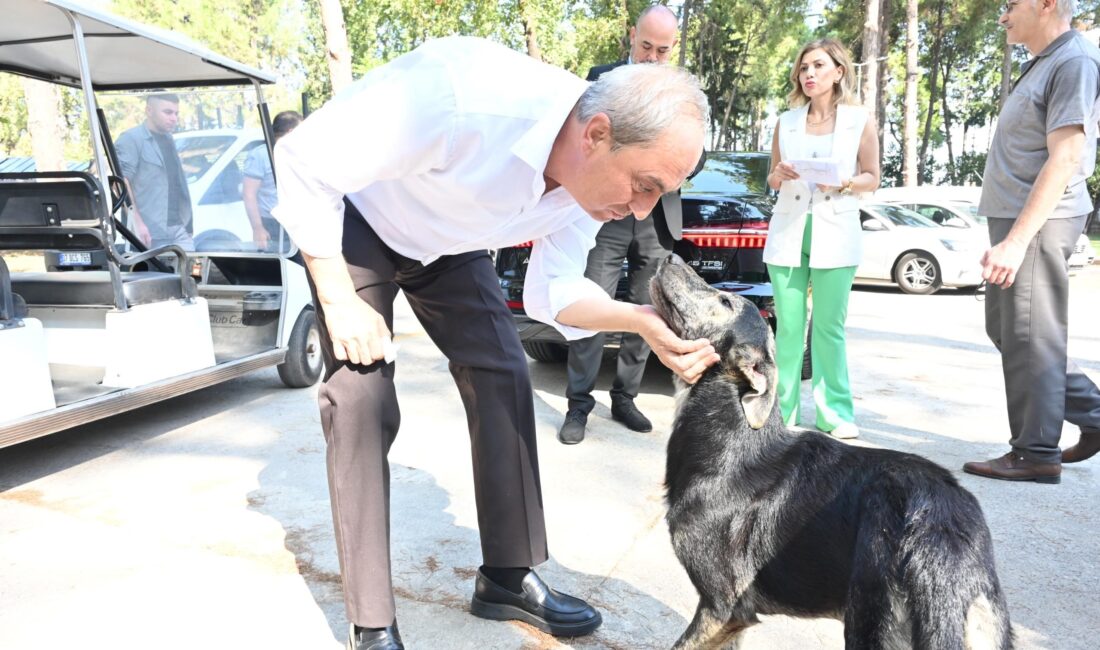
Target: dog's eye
(726,302)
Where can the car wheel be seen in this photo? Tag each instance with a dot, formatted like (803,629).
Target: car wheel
(918,273)
(304,363)
(546,351)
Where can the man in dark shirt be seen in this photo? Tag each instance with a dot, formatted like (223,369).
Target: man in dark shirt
(151,166)
(635,241)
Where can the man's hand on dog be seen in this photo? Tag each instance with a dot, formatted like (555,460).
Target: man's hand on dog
(688,359)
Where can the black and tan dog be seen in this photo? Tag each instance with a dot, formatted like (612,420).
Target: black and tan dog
(767,521)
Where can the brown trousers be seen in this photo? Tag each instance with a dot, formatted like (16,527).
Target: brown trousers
(458,300)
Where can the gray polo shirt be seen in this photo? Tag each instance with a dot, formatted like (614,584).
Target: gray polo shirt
(1059,87)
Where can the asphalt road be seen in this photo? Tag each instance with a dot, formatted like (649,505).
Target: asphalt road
(203,522)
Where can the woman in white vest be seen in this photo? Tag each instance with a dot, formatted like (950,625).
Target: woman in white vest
(815,238)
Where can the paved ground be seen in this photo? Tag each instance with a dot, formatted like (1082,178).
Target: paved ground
(204,522)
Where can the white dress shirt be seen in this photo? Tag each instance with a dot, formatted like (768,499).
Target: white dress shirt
(443,151)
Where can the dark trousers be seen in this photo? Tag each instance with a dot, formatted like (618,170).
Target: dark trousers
(1028,322)
(636,242)
(458,301)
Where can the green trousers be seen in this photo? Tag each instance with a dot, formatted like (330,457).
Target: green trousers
(828,351)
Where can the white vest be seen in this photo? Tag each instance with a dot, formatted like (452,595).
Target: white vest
(837,236)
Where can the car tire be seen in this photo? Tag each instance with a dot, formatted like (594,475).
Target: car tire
(545,351)
(918,273)
(304,362)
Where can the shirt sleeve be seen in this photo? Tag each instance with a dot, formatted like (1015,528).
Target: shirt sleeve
(128,149)
(395,122)
(555,275)
(254,166)
(1072,93)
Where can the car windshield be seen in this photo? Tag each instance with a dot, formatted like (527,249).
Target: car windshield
(198,153)
(900,216)
(731,173)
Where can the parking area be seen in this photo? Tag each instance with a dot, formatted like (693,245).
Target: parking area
(203,522)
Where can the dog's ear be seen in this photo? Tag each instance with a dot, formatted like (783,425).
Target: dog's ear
(758,401)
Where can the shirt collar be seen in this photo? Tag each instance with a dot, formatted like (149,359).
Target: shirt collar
(534,146)
(1056,43)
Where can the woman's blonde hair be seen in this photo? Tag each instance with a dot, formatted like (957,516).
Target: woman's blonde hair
(844,92)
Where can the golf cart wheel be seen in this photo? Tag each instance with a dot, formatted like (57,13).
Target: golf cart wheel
(546,352)
(304,363)
(918,273)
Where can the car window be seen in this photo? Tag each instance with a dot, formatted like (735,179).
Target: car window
(705,213)
(198,153)
(970,209)
(900,216)
(939,215)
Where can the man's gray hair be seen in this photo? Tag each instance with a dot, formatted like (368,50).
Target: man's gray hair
(643,101)
(1067,9)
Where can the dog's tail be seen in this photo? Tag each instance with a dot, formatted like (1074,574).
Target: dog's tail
(954,597)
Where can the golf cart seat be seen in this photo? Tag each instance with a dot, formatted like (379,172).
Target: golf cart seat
(94,288)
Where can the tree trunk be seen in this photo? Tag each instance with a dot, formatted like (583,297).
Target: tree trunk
(684,18)
(870,54)
(336,44)
(1006,75)
(885,17)
(529,31)
(45,125)
(909,145)
(947,122)
(937,50)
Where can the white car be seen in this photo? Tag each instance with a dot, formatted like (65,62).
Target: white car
(957,207)
(213,162)
(904,248)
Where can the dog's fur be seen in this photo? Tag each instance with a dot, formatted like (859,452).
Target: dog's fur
(767,521)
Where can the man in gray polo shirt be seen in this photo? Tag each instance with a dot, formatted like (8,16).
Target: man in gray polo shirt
(1035,197)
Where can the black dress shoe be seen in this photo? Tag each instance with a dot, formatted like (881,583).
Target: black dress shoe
(388,638)
(572,430)
(626,412)
(538,605)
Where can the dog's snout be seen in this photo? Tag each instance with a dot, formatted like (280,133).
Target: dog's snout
(673,258)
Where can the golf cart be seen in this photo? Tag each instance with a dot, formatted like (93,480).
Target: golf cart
(108,323)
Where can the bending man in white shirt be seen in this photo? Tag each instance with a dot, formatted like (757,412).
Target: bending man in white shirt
(404,181)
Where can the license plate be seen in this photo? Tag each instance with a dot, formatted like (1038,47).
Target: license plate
(75,259)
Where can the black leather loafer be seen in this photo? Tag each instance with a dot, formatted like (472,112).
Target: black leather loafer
(538,605)
(626,412)
(385,639)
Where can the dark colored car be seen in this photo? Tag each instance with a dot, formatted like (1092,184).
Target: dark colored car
(726,210)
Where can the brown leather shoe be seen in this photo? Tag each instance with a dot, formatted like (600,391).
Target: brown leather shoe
(1085,448)
(1014,467)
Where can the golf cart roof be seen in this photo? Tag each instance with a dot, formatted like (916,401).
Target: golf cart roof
(36,40)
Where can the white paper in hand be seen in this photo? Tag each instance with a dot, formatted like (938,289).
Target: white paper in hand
(820,171)
(389,350)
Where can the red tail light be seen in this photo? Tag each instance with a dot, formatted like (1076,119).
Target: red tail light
(717,239)
(526,244)
(514,304)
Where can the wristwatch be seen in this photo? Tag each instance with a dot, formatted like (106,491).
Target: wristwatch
(846,189)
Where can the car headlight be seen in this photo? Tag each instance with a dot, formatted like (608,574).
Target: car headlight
(955,244)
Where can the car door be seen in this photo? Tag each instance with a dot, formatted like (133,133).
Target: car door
(879,244)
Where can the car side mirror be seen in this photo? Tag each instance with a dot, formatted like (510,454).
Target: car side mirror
(873,225)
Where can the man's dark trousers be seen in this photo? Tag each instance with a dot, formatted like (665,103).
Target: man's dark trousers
(458,300)
(636,242)
(1028,322)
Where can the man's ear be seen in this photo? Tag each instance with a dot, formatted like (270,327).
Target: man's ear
(631,38)
(597,133)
